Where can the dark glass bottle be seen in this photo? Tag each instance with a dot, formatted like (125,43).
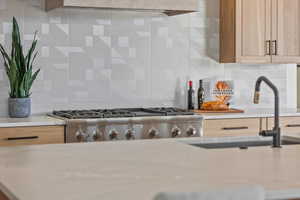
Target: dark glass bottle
(200,95)
(191,96)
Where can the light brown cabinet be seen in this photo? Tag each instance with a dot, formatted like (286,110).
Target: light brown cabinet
(232,127)
(248,126)
(32,135)
(287,124)
(286,30)
(260,31)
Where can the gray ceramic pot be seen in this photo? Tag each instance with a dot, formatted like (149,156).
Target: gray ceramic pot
(19,107)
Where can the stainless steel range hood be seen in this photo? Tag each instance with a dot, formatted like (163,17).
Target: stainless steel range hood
(168,7)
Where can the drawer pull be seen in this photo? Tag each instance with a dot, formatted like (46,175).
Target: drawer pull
(235,128)
(292,125)
(23,138)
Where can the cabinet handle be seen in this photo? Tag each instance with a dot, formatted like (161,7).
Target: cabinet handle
(235,128)
(292,125)
(268,47)
(274,47)
(23,138)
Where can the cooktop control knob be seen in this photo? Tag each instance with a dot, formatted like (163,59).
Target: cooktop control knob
(113,135)
(129,134)
(176,132)
(152,133)
(96,134)
(80,135)
(191,132)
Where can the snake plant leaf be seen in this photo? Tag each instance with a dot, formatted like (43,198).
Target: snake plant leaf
(4,54)
(33,78)
(19,67)
(31,50)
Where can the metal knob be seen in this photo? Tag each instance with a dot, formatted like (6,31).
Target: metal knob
(96,134)
(129,134)
(80,135)
(113,135)
(176,132)
(191,132)
(152,133)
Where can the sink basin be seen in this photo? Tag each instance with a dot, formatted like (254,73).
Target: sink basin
(242,144)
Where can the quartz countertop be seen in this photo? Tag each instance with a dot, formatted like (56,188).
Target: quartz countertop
(41,120)
(44,120)
(251,113)
(137,170)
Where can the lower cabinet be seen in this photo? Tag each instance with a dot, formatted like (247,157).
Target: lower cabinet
(287,124)
(248,126)
(232,127)
(32,135)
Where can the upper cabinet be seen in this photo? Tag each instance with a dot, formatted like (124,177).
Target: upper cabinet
(169,7)
(260,31)
(286,31)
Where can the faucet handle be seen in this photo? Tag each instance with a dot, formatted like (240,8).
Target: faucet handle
(267,133)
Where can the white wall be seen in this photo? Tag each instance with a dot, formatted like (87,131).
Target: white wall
(96,58)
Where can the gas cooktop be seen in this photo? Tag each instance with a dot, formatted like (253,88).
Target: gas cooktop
(121,112)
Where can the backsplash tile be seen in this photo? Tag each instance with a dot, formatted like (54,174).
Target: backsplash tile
(102,58)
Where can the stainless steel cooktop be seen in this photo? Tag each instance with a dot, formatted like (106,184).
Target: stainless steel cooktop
(121,112)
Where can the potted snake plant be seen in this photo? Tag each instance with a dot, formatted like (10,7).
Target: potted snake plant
(19,69)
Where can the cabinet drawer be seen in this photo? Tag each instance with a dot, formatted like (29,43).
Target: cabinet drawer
(31,135)
(231,127)
(287,124)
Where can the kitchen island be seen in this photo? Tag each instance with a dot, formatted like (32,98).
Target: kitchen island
(140,169)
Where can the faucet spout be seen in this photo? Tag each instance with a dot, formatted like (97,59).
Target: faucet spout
(275,133)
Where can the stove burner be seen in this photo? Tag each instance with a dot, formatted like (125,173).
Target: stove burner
(169,111)
(118,113)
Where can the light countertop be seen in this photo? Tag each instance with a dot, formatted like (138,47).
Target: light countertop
(41,120)
(251,113)
(137,170)
(44,120)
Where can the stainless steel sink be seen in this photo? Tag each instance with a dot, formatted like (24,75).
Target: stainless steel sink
(241,144)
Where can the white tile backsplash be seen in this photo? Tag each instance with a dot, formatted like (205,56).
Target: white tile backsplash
(102,58)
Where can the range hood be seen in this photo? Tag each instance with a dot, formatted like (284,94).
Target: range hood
(169,7)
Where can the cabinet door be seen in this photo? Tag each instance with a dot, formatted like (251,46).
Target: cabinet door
(31,135)
(253,31)
(288,125)
(286,31)
(232,127)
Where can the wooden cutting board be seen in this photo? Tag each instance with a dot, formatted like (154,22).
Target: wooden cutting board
(231,110)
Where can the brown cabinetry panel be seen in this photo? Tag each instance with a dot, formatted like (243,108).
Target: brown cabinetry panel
(232,127)
(260,31)
(286,31)
(253,23)
(287,124)
(31,135)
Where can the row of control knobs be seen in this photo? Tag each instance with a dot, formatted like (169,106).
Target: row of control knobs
(130,134)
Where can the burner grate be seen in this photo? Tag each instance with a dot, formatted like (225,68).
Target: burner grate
(170,111)
(118,113)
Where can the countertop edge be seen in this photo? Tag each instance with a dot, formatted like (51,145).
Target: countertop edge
(30,124)
(39,120)
(282,194)
(244,115)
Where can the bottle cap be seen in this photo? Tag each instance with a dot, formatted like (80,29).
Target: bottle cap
(191,83)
